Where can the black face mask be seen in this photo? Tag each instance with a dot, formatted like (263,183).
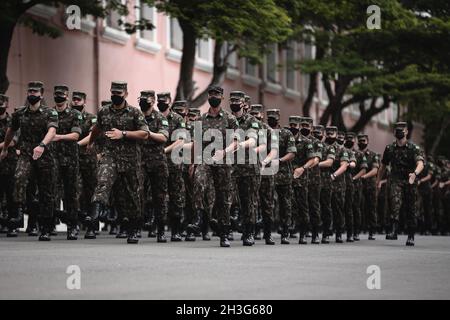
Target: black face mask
(78,108)
(330,140)
(235,107)
(294,131)
(318,135)
(59,99)
(144,105)
(340,142)
(272,122)
(349,144)
(399,134)
(33,99)
(163,106)
(2,111)
(117,100)
(362,146)
(305,131)
(214,102)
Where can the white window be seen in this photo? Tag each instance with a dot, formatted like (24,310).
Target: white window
(146,40)
(43,11)
(250,69)
(290,73)
(272,64)
(114,26)
(176,35)
(233,69)
(307,55)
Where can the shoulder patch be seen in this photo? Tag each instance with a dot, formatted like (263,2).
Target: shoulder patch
(54,112)
(255,125)
(320,145)
(141,118)
(310,146)
(165,123)
(94,120)
(345,154)
(292,139)
(183,125)
(80,117)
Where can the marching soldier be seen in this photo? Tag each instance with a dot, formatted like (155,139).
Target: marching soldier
(123,126)
(424,193)
(37,124)
(407,162)
(66,154)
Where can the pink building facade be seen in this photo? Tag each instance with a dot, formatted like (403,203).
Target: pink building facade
(100,52)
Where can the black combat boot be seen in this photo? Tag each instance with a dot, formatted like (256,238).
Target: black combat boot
(258,227)
(393,234)
(47,225)
(356,235)
(205,227)
(268,234)
(339,237)
(196,224)
(132,228)
(349,236)
(123,229)
(92,221)
(17,221)
(285,235)
(325,237)
(12,233)
(410,240)
(161,237)
(293,232)
(72,233)
(248,236)
(3,221)
(302,238)
(315,236)
(113,230)
(175,230)
(32,229)
(190,237)
(224,231)
(371,236)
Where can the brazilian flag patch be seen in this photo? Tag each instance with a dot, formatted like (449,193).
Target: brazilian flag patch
(183,125)
(255,125)
(165,123)
(94,120)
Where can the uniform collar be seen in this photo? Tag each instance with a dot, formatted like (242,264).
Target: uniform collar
(126,108)
(220,114)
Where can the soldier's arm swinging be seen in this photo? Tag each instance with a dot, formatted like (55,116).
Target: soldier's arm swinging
(6,143)
(417,171)
(370,174)
(96,131)
(381,174)
(288,157)
(157,137)
(326,163)
(425,179)
(315,162)
(360,174)
(169,148)
(342,168)
(83,142)
(73,136)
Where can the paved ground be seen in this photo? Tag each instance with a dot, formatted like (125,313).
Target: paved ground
(112,269)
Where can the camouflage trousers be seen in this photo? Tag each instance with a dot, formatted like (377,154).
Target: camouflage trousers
(87,181)
(300,204)
(129,201)
(43,170)
(314,191)
(348,205)
(177,196)
(266,199)
(403,194)
(247,188)
(370,203)
(67,189)
(426,206)
(285,193)
(337,204)
(356,206)
(214,180)
(7,193)
(325,202)
(156,197)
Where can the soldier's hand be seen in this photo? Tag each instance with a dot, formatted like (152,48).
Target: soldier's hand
(37,152)
(114,134)
(412,178)
(298,172)
(379,184)
(441,185)
(3,154)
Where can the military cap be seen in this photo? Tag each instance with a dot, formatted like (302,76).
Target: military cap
(318,128)
(331,129)
(237,94)
(273,113)
(215,89)
(294,119)
(400,125)
(119,86)
(247,98)
(195,111)
(307,120)
(36,85)
(180,104)
(256,108)
(163,95)
(3,98)
(363,135)
(61,88)
(350,135)
(147,93)
(106,102)
(79,94)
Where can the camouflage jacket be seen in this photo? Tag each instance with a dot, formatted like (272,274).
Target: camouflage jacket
(342,154)
(152,151)
(66,152)
(86,124)
(124,151)
(33,127)
(305,152)
(8,165)
(314,173)
(223,121)
(286,144)
(403,159)
(242,158)
(329,152)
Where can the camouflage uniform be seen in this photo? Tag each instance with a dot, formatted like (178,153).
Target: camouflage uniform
(329,152)
(67,165)
(34,126)
(425,197)
(403,161)
(314,187)
(119,161)
(370,192)
(361,163)
(338,190)
(349,191)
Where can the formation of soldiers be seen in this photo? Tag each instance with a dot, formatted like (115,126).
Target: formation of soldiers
(64,164)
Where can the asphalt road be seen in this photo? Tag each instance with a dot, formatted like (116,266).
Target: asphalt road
(111,269)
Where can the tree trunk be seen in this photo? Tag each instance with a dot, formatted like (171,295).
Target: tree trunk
(310,97)
(444,125)
(185,87)
(367,115)
(6,34)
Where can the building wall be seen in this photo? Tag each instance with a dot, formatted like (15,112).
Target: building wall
(89,59)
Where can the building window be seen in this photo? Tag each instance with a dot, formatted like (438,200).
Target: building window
(146,39)
(250,69)
(272,64)
(291,56)
(307,55)
(114,26)
(176,35)
(112,20)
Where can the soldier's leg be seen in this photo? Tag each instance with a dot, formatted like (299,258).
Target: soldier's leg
(302,215)
(46,179)
(88,176)
(222,176)
(337,204)
(427,204)
(410,196)
(348,210)
(71,203)
(267,205)
(371,207)
(285,209)
(314,191)
(176,200)
(160,195)
(356,207)
(247,188)
(23,172)
(326,213)
(395,203)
